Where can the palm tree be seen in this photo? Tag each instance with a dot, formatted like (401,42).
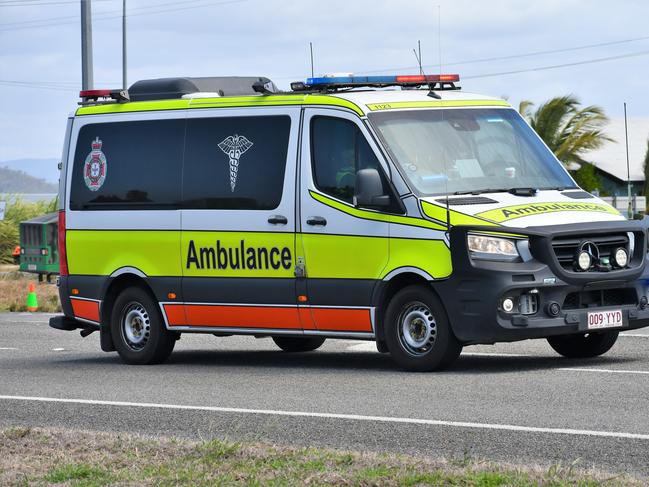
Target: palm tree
(568,130)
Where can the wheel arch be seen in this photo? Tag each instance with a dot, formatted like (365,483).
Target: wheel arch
(119,280)
(390,285)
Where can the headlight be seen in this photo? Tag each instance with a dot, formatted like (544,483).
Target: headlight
(486,247)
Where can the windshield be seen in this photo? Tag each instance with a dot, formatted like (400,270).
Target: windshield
(468,150)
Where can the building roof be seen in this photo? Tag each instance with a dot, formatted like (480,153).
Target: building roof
(611,157)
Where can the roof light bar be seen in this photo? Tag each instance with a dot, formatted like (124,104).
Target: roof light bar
(93,96)
(444,81)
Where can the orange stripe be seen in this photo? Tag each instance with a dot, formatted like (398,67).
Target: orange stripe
(175,314)
(336,319)
(88,310)
(234,316)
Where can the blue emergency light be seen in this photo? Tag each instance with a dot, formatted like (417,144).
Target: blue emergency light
(410,80)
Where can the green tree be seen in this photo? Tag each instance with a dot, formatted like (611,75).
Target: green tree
(17,211)
(587,178)
(570,131)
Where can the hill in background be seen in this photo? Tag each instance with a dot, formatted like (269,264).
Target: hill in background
(47,169)
(13,181)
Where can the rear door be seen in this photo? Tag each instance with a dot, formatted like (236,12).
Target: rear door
(238,221)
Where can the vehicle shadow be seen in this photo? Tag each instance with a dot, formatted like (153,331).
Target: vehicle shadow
(352,360)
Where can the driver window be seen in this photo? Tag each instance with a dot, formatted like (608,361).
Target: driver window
(338,151)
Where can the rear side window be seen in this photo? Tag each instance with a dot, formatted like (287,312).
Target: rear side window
(338,151)
(235,163)
(128,165)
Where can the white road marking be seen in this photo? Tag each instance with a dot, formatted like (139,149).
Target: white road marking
(494,354)
(363,347)
(371,347)
(605,371)
(353,417)
(58,350)
(635,335)
(8,348)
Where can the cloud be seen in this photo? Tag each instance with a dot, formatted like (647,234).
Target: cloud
(258,37)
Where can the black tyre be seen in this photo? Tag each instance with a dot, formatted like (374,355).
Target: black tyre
(583,345)
(298,344)
(138,330)
(417,331)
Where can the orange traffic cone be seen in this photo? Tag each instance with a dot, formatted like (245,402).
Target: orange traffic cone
(32,301)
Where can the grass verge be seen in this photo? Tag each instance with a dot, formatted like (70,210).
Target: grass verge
(13,292)
(82,458)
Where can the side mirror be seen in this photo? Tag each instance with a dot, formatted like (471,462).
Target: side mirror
(369,189)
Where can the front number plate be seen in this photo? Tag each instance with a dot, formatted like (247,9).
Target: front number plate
(605,319)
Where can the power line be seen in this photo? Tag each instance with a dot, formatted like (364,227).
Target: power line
(34,3)
(42,23)
(558,66)
(515,56)
(97,15)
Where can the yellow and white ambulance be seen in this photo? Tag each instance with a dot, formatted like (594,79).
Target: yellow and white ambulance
(397,209)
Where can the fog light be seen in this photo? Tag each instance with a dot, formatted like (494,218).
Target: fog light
(620,258)
(584,261)
(508,305)
(643,302)
(553,309)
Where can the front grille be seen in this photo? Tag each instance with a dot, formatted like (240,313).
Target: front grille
(602,298)
(565,248)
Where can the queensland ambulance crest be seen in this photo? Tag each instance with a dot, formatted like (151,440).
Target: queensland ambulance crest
(94,170)
(234,147)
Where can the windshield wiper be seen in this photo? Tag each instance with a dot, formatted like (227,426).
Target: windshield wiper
(514,191)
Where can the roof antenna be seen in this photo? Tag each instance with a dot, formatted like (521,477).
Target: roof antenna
(418,57)
(311,49)
(439,36)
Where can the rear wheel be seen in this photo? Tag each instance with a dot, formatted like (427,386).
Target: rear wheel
(298,344)
(583,345)
(417,331)
(138,330)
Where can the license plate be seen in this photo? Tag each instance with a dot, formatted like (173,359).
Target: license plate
(605,319)
(31,267)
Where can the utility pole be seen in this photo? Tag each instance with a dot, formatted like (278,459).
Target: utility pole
(628,170)
(124,83)
(86,46)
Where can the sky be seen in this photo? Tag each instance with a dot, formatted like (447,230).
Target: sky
(517,49)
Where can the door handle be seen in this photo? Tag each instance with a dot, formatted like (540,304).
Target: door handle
(316,220)
(277,220)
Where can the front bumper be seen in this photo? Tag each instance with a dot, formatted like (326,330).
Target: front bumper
(473,295)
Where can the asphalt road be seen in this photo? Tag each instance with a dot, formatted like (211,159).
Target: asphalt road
(518,403)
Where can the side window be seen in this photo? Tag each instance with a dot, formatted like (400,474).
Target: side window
(338,151)
(128,165)
(235,163)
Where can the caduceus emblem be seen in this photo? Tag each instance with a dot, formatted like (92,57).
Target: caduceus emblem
(234,147)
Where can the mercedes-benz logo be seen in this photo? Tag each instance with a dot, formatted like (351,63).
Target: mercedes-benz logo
(591,249)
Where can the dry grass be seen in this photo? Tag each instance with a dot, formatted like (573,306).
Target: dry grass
(13,292)
(76,458)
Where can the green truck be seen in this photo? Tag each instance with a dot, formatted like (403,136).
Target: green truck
(39,246)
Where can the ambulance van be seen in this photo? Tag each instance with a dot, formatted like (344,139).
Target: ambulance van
(397,209)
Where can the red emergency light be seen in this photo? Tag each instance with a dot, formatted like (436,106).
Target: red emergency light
(93,96)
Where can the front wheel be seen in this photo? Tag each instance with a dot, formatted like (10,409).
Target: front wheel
(298,344)
(138,330)
(417,331)
(583,345)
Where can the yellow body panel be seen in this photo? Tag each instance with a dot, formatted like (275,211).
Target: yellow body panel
(100,253)
(224,102)
(519,211)
(436,104)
